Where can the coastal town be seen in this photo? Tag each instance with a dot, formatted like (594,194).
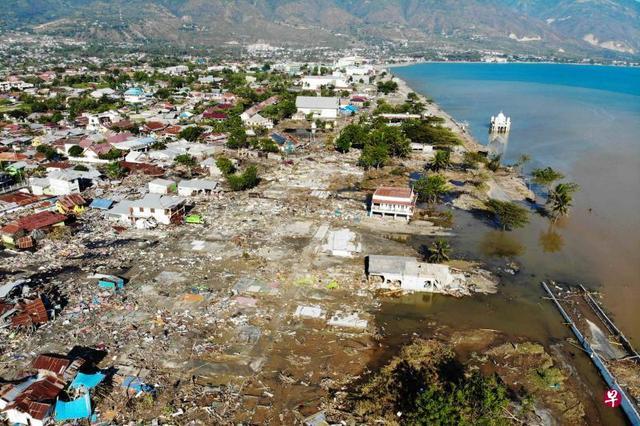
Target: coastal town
(197,241)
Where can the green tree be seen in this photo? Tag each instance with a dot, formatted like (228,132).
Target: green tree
(522,161)
(545,177)
(353,135)
(560,199)
(112,154)
(115,170)
(387,87)
(438,252)
(471,159)
(508,214)
(494,163)
(186,160)
(225,165)
(431,188)
(268,145)
(192,133)
(475,401)
(399,145)
(49,152)
(246,180)
(440,161)
(374,156)
(237,139)
(76,151)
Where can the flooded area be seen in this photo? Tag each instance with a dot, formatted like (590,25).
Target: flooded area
(586,132)
(582,121)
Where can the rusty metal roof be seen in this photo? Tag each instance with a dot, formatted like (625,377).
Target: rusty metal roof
(54,364)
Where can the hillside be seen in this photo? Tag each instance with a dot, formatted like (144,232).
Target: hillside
(517,25)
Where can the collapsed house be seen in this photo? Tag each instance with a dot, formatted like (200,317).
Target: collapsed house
(406,273)
(54,388)
(19,232)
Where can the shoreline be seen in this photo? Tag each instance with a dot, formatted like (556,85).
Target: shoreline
(389,66)
(509,185)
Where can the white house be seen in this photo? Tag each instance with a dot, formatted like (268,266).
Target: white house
(322,107)
(408,274)
(257,120)
(161,186)
(61,182)
(5,86)
(315,82)
(189,188)
(161,208)
(99,93)
(393,202)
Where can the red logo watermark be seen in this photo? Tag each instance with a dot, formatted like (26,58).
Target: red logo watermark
(612,398)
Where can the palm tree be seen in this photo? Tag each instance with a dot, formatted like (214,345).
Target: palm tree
(439,251)
(560,199)
(441,160)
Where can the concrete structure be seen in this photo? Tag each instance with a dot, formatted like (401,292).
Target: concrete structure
(257,120)
(408,274)
(342,243)
(396,202)
(316,82)
(5,86)
(161,186)
(135,95)
(500,123)
(162,208)
(322,107)
(188,188)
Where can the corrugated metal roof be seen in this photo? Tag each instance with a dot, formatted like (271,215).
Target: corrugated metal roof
(51,363)
(101,203)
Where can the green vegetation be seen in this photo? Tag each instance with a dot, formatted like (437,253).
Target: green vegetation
(113,154)
(430,133)
(546,177)
(438,252)
(192,133)
(246,180)
(374,156)
(225,165)
(387,87)
(426,385)
(353,135)
(561,199)
(49,152)
(76,151)
(186,160)
(471,159)
(508,214)
(115,170)
(441,161)
(431,188)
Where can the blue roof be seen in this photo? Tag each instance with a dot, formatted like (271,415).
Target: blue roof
(134,91)
(87,381)
(350,108)
(101,203)
(77,409)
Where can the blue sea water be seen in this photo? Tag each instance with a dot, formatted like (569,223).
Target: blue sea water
(583,121)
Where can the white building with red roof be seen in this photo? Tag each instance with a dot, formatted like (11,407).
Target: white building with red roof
(393,201)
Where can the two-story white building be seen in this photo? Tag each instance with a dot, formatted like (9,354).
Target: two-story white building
(391,201)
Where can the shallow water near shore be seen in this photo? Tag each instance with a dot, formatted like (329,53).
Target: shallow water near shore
(581,120)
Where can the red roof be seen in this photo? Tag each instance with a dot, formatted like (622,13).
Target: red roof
(214,115)
(154,126)
(224,106)
(20,198)
(119,137)
(72,200)
(57,165)
(37,221)
(54,364)
(12,156)
(32,312)
(390,191)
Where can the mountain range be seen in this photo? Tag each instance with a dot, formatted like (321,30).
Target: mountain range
(579,26)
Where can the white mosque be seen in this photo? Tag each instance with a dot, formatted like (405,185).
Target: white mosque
(500,123)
